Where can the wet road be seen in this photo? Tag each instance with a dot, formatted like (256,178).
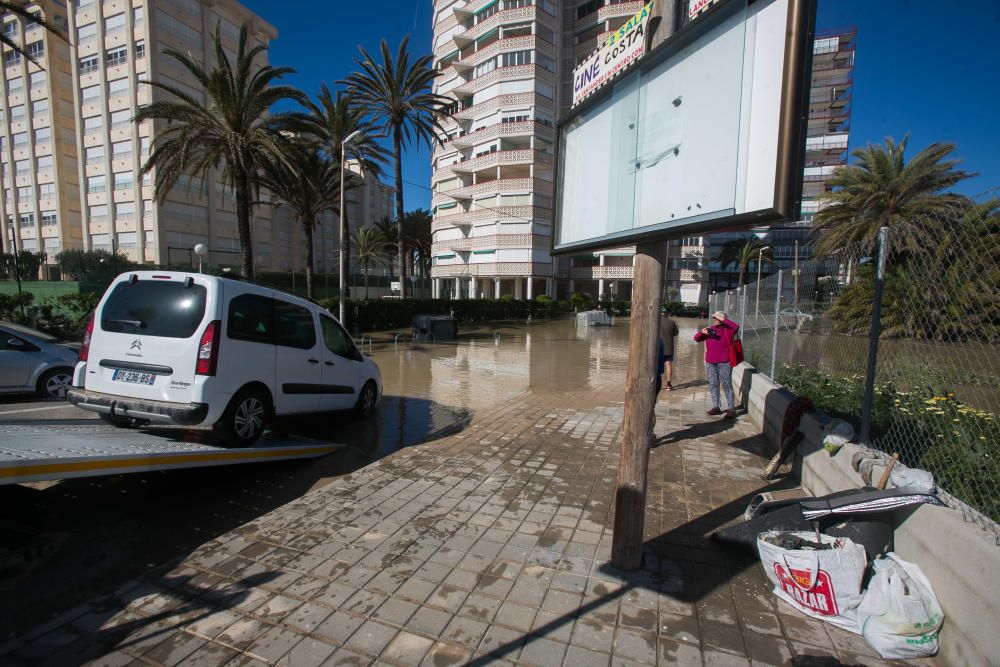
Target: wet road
(94,533)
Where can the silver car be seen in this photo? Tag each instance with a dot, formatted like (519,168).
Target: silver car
(34,362)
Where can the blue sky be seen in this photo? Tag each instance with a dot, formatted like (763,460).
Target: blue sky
(924,67)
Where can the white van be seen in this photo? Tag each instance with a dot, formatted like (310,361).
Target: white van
(187,348)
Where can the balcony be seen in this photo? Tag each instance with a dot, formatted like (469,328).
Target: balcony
(494,187)
(516,15)
(490,269)
(618,10)
(500,74)
(602,272)
(526,128)
(496,159)
(522,43)
(465,218)
(491,105)
(493,242)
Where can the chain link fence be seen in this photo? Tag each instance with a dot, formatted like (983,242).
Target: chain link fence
(932,394)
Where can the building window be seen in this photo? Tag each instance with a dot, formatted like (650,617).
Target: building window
(143,145)
(10,28)
(49,218)
(515,116)
(114,24)
(515,58)
(96,184)
(40,108)
(90,94)
(22,167)
(140,49)
(121,118)
(11,58)
(24,193)
(27,219)
(95,154)
(16,113)
(35,50)
(38,79)
(125,210)
(46,190)
(88,64)
(117,57)
(123,180)
(86,33)
(117,88)
(99,213)
(93,124)
(15,85)
(147,205)
(588,8)
(121,150)
(43,135)
(20,139)
(138,16)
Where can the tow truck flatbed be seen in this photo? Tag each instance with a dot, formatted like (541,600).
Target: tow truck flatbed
(88,448)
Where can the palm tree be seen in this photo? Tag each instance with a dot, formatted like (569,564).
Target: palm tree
(330,120)
(387,229)
(33,17)
(369,243)
(417,232)
(397,95)
(309,184)
(231,128)
(741,252)
(882,189)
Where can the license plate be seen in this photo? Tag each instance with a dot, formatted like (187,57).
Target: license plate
(135,377)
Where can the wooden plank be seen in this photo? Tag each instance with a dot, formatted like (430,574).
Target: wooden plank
(637,430)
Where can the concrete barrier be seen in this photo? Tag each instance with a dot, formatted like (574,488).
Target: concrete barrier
(960,558)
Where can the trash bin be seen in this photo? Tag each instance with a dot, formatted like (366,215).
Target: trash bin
(434,327)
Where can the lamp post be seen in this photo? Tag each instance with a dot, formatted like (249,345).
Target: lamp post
(201,250)
(756,304)
(343,167)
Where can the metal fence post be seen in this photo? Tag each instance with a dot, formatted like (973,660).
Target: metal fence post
(777,317)
(876,331)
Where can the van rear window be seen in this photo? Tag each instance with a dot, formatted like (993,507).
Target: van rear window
(154,308)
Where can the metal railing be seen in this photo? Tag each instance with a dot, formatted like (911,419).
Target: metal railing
(901,337)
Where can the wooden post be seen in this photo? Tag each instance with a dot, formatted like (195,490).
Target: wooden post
(640,382)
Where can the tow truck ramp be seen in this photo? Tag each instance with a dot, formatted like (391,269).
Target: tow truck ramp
(35,453)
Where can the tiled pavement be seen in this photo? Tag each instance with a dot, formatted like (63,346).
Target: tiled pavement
(489,546)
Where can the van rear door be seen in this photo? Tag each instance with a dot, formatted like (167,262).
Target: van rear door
(146,336)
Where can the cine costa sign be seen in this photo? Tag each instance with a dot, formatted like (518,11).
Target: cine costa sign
(622,48)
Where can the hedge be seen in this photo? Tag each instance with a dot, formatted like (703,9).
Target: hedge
(378,314)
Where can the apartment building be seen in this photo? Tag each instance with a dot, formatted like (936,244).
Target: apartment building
(72,156)
(492,179)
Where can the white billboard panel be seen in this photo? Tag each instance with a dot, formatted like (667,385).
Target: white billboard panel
(699,137)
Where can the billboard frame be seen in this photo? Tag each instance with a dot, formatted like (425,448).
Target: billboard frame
(792,126)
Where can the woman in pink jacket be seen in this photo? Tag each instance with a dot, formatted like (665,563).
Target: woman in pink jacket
(718,339)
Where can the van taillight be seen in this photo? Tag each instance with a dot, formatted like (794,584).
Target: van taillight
(85,348)
(208,349)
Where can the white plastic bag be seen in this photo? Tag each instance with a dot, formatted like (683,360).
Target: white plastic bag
(911,478)
(824,584)
(900,616)
(837,433)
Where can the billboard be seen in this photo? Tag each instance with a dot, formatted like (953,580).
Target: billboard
(622,48)
(706,133)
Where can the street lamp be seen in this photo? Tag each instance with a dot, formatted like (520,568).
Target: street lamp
(201,250)
(756,305)
(343,167)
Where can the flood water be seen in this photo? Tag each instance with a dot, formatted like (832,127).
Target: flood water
(430,387)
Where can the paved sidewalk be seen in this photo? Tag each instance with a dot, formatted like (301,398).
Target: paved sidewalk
(489,546)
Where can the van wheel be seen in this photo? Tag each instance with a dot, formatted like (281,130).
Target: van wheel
(365,406)
(54,383)
(244,420)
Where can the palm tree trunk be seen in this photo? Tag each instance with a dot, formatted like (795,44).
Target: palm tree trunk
(743,272)
(364,269)
(242,184)
(307,226)
(398,168)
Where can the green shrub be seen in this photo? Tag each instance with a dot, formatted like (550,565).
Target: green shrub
(581,300)
(544,298)
(14,306)
(932,429)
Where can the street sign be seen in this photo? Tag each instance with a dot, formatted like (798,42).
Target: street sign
(394,285)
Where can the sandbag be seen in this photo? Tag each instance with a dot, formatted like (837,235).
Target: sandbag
(822,583)
(900,616)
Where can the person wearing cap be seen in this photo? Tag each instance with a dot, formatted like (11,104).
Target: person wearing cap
(718,339)
(665,350)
